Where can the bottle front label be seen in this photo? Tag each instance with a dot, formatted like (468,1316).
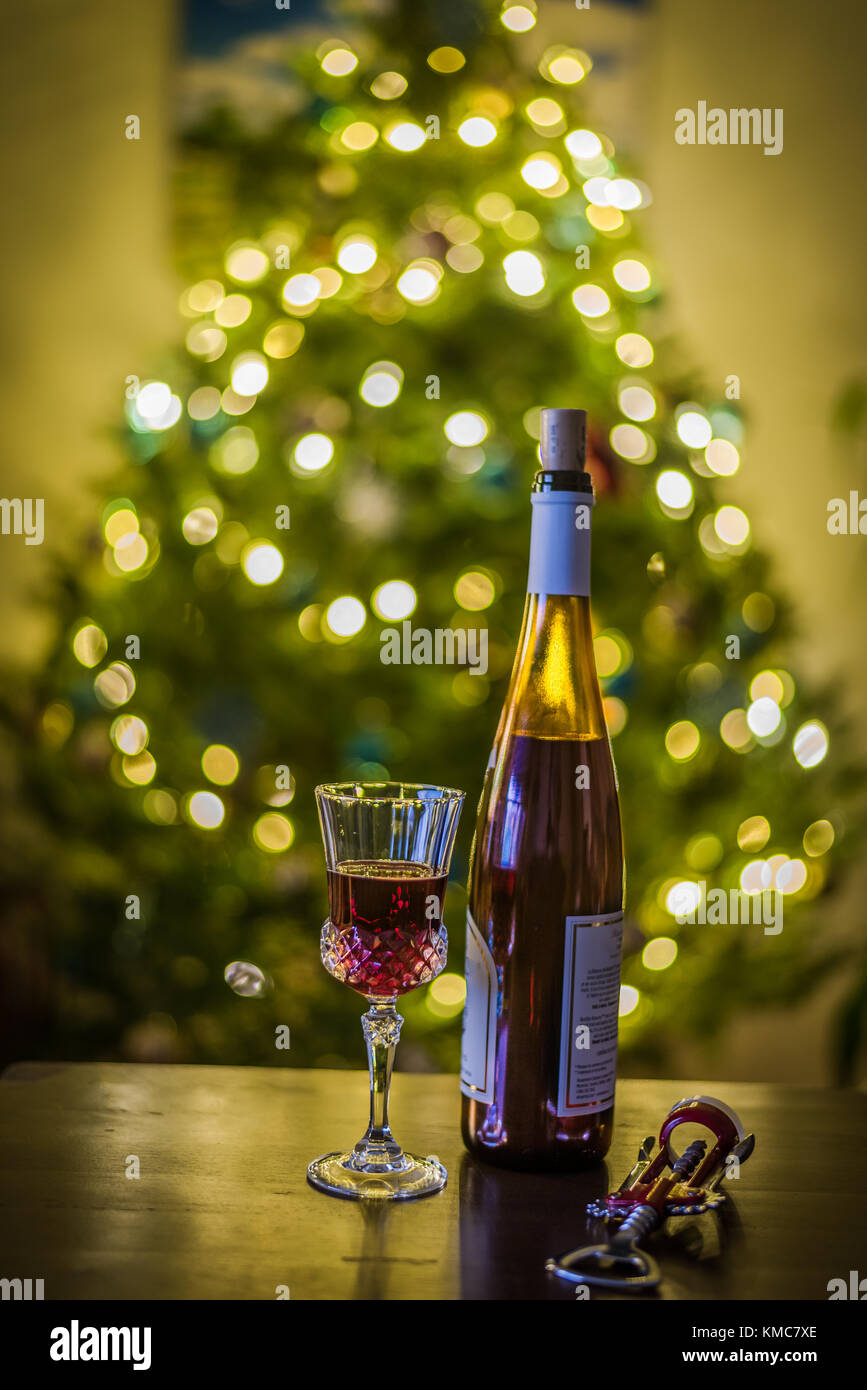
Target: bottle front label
(480,1019)
(591,1006)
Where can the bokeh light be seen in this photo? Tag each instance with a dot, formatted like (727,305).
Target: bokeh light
(753,834)
(758,611)
(518,18)
(637,402)
(207,342)
(564,65)
(477,131)
(160,807)
(200,525)
(466,428)
(313,452)
(249,373)
(624,194)
(153,400)
(120,524)
(420,282)
(818,838)
(770,684)
(356,254)
(659,953)
(634,349)
(89,644)
(632,443)
(388,86)
(629,1000)
(474,590)
(394,600)
(405,136)
(682,741)
(756,877)
(283,339)
(206,810)
(632,276)
(140,769)
(694,429)
(591,301)
(541,171)
(236,451)
(381,384)
(232,311)
(262,562)
(583,144)
(129,734)
(735,731)
(722,458)
(447,995)
(616,714)
(345,616)
(301,290)
(545,113)
(247,980)
(246,262)
(446,59)
(682,898)
(339,61)
(732,526)
(115,685)
(524,273)
(220,764)
(131,552)
(763,716)
(810,744)
(791,876)
(273,833)
(359,135)
(204,402)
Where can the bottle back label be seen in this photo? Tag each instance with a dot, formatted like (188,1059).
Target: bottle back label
(478,1049)
(591,1007)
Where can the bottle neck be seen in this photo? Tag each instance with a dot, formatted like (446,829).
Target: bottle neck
(554,691)
(560,543)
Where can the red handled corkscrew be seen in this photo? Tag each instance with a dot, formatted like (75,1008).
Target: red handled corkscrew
(670,1184)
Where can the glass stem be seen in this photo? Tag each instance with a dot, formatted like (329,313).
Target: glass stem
(381,1024)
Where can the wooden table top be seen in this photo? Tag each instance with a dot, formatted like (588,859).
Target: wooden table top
(222,1208)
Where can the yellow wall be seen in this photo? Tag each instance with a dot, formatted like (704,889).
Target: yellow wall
(83,287)
(764,261)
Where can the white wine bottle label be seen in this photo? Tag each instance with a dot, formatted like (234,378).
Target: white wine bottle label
(560,543)
(480,1019)
(591,1006)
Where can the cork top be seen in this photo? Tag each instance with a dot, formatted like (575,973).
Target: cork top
(564,451)
(564,438)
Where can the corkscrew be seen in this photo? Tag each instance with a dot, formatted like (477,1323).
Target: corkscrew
(669,1184)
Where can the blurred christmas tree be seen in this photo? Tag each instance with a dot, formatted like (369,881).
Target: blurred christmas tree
(383,290)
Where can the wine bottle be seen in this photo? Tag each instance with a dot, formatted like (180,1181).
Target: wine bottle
(545,915)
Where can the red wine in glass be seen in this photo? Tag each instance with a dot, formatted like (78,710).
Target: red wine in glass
(385,934)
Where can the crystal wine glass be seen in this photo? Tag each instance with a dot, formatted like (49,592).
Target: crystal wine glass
(388,846)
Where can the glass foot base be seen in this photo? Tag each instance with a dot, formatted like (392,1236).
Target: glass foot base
(408,1177)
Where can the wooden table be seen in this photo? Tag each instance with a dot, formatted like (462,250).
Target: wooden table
(222,1208)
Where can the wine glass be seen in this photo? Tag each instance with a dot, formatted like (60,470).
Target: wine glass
(388,846)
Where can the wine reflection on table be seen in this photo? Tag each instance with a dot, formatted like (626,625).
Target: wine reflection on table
(511,1222)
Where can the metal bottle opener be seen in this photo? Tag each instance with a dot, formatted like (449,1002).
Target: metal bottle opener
(670,1184)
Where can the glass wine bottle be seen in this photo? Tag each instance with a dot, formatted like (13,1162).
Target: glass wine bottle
(545,916)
